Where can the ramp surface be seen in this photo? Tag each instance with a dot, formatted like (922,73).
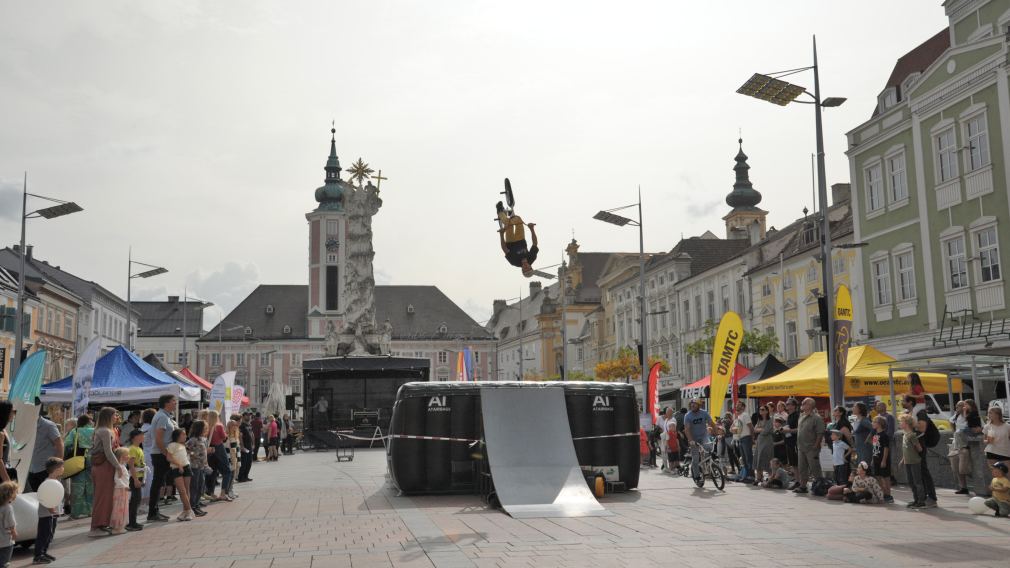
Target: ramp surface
(531,454)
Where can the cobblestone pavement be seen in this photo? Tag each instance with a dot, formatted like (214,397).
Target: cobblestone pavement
(311,511)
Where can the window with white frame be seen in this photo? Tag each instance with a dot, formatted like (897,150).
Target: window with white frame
(787,281)
(184,359)
(687,314)
(296,359)
(957,264)
(946,154)
(904,265)
(264,387)
(697,311)
(838,264)
(725,297)
(881,281)
(896,177)
(266,359)
(215,359)
(874,188)
(988,253)
(811,273)
(296,385)
(710,296)
(443,357)
(766,288)
(741,299)
(978,142)
(791,342)
(240,359)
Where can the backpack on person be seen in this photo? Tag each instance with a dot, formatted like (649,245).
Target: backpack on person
(821,486)
(931,437)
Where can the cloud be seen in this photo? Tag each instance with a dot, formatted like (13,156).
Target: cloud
(382,277)
(479,311)
(226,287)
(10,200)
(703,209)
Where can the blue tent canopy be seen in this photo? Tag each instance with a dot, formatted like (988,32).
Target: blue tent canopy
(122,376)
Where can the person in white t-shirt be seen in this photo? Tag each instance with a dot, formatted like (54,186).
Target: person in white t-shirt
(997,437)
(664,436)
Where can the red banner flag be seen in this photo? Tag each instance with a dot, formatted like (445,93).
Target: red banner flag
(653,397)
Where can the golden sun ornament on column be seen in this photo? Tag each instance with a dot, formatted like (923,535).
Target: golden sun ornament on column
(359,172)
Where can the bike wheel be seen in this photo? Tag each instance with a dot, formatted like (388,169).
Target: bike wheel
(700,480)
(508,194)
(718,477)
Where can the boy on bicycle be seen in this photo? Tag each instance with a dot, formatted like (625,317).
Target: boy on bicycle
(698,429)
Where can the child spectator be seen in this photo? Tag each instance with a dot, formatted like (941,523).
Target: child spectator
(881,461)
(138,471)
(196,445)
(779,438)
(120,492)
(778,477)
(865,488)
(181,473)
(8,527)
(47,517)
(1000,487)
(911,459)
(839,457)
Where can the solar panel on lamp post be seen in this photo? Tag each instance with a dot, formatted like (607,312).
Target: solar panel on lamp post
(152,270)
(609,216)
(60,209)
(776,91)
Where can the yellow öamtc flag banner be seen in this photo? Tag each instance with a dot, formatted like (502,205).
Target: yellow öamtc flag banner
(843,338)
(724,354)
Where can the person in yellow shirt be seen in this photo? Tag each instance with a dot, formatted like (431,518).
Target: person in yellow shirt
(1000,487)
(137,470)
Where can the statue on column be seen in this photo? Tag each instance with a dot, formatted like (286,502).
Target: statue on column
(359,335)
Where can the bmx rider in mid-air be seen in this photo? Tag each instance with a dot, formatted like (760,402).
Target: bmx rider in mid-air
(512,235)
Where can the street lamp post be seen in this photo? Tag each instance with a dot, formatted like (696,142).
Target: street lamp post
(151,271)
(60,209)
(608,216)
(773,89)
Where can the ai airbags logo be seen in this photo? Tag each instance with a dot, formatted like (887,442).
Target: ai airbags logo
(438,404)
(602,404)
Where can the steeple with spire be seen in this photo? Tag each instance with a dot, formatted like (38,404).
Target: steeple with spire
(746,220)
(331,194)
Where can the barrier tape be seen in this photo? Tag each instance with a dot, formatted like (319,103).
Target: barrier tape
(431,438)
(443,439)
(606,436)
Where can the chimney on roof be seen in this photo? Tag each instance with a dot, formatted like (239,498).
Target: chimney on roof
(841,193)
(28,252)
(173,299)
(497,307)
(535,288)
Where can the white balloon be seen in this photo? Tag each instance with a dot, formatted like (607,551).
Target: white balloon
(50,493)
(977,505)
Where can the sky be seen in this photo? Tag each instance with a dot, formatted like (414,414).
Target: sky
(196,132)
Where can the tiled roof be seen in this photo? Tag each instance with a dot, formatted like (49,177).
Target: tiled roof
(709,253)
(289,303)
(162,319)
(40,269)
(592,268)
(917,60)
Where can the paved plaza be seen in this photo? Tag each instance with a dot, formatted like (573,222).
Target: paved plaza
(309,510)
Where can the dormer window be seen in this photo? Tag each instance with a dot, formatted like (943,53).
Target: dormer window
(443,329)
(410,308)
(286,330)
(247,331)
(888,98)
(909,81)
(270,309)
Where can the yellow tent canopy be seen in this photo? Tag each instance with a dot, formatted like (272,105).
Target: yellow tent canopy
(864,376)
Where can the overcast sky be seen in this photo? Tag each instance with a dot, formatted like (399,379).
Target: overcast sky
(197,131)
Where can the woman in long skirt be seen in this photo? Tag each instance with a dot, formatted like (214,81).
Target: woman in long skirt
(82,489)
(103,471)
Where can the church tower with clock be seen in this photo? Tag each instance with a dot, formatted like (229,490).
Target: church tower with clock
(327,253)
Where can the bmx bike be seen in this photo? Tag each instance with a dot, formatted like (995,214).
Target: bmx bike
(708,466)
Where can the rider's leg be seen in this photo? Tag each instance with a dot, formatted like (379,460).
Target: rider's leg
(515,229)
(695,460)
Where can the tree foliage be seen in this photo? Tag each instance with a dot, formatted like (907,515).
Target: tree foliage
(626,365)
(754,342)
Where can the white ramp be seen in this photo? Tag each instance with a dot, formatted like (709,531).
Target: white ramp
(531,454)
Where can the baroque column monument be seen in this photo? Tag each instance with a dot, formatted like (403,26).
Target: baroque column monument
(341,279)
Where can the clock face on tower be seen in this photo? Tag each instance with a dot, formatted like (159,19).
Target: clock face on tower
(332,244)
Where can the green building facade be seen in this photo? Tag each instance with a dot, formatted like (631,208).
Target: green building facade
(929,176)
